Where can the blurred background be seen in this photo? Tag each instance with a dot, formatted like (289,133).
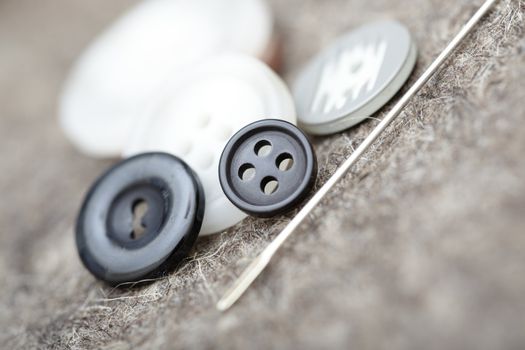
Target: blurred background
(422,245)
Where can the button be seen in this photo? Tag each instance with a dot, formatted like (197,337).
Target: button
(115,76)
(196,114)
(140,218)
(353,78)
(267,168)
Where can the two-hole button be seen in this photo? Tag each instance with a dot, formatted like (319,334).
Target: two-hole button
(140,218)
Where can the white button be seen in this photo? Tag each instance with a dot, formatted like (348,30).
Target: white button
(113,78)
(196,114)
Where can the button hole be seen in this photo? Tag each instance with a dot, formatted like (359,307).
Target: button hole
(263,148)
(284,161)
(269,185)
(204,120)
(139,209)
(246,172)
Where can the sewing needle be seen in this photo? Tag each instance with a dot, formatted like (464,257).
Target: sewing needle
(255,268)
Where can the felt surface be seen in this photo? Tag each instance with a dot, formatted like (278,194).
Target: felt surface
(422,245)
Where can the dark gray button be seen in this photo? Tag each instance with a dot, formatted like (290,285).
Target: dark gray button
(353,78)
(140,218)
(267,168)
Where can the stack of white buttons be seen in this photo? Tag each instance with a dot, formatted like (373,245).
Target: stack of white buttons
(181,77)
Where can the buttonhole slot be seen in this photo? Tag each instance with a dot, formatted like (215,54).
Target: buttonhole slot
(139,210)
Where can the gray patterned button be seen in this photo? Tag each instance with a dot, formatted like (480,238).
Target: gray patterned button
(353,78)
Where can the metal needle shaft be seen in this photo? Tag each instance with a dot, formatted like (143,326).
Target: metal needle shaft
(258,264)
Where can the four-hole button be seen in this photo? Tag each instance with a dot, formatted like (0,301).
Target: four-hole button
(267,168)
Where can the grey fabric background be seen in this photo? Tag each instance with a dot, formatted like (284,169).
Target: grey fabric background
(422,245)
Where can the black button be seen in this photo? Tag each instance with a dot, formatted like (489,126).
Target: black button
(267,168)
(140,218)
